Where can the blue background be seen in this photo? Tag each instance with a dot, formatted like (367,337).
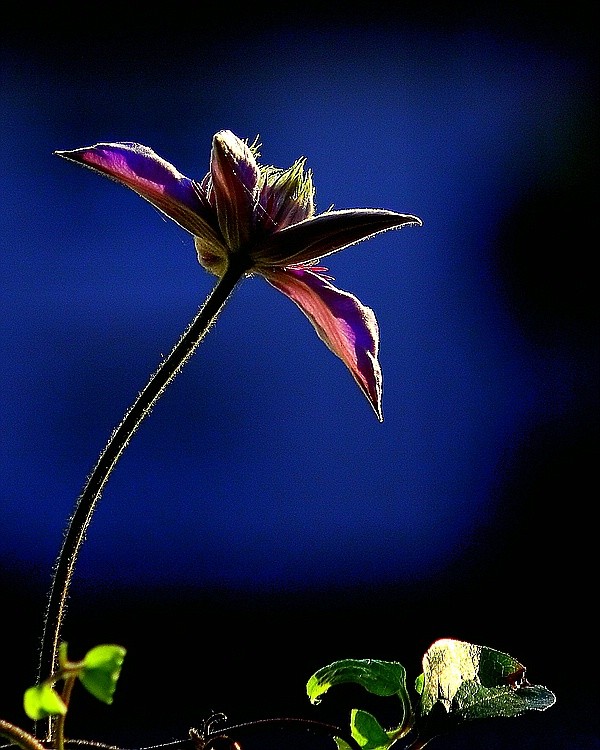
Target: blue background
(262,512)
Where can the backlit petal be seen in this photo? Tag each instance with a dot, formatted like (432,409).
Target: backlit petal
(235,174)
(141,169)
(348,328)
(325,234)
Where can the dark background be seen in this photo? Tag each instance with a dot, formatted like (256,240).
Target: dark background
(262,523)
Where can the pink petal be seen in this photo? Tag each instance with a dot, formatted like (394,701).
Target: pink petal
(346,326)
(325,234)
(141,169)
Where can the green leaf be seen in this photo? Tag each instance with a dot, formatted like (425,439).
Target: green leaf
(368,732)
(383,678)
(475,682)
(342,744)
(480,703)
(378,677)
(419,683)
(101,670)
(41,701)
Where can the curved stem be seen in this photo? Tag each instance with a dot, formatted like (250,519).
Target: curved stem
(86,504)
(313,725)
(19,737)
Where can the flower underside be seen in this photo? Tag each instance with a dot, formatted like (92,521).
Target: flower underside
(263,218)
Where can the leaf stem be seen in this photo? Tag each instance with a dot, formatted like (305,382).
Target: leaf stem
(59,741)
(92,491)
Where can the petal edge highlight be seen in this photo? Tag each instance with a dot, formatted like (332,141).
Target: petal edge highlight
(325,234)
(347,327)
(153,178)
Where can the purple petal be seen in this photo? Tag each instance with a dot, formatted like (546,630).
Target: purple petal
(234,174)
(141,169)
(324,234)
(346,326)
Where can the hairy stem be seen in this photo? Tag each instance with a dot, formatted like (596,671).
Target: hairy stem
(19,737)
(92,491)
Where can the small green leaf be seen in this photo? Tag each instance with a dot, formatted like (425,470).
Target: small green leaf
(367,731)
(419,683)
(378,677)
(342,744)
(41,701)
(62,654)
(101,670)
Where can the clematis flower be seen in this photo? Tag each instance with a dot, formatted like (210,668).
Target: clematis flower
(261,219)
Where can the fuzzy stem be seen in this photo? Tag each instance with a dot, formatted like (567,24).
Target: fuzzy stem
(92,491)
(19,737)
